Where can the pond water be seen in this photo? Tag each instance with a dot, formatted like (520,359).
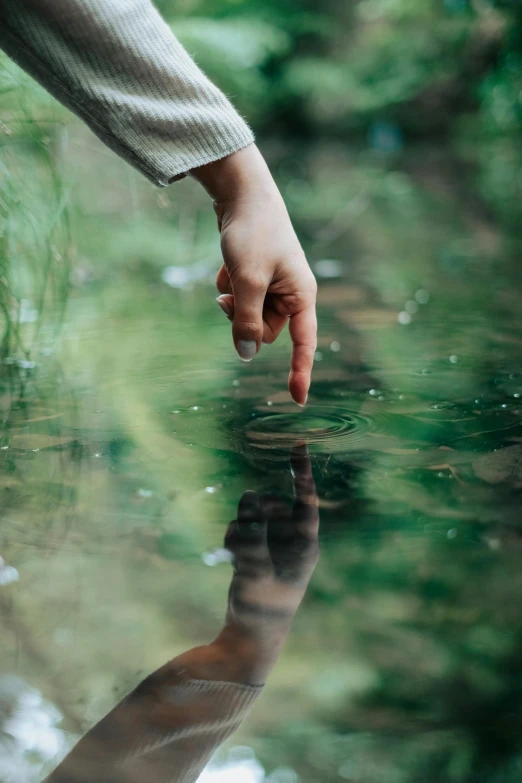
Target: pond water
(130,434)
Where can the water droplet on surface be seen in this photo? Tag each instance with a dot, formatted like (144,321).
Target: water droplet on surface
(335,346)
(452,533)
(145,493)
(454,358)
(236,383)
(195,408)
(318,356)
(422,296)
(210,490)
(404,318)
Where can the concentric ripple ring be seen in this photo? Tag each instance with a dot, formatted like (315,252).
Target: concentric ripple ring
(322,431)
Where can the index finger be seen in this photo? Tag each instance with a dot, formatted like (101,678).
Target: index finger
(303,331)
(305,513)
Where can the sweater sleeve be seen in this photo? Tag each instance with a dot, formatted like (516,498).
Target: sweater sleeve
(117,65)
(165,731)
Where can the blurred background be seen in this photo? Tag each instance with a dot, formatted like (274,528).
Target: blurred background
(128,430)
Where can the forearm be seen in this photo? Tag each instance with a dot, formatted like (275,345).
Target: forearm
(117,65)
(168,727)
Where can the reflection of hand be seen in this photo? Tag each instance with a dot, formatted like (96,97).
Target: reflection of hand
(275,549)
(265,278)
(169,726)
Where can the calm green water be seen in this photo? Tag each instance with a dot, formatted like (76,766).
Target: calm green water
(126,448)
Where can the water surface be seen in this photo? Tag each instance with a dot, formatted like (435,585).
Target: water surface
(129,435)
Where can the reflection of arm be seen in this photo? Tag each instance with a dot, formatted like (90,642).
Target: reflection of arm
(165,730)
(117,65)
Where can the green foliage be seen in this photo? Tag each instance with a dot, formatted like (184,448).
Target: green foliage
(34,228)
(234,51)
(448,71)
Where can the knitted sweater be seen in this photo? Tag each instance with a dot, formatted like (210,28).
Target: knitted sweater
(117,65)
(165,731)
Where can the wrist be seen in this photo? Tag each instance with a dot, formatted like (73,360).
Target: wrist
(231,657)
(243,175)
(250,656)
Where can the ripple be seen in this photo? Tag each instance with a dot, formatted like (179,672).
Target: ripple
(322,431)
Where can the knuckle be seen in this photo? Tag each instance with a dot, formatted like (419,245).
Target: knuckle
(247,328)
(241,323)
(311,285)
(307,345)
(250,281)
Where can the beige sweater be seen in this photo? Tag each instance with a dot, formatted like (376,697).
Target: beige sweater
(165,731)
(117,65)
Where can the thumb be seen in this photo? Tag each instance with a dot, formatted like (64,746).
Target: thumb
(247,324)
(226,302)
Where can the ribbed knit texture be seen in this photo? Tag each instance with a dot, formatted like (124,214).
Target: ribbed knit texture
(165,731)
(118,66)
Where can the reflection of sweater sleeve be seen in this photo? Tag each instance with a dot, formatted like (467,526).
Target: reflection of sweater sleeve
(117,65)
(165,731)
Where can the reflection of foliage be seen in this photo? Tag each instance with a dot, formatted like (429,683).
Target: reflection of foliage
(34,228)
(500,124)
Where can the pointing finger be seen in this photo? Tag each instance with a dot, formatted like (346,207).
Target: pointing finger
(303,331)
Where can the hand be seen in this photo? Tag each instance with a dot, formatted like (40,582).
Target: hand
(275,549)
(265,280)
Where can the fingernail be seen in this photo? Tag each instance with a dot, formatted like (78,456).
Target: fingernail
(246,349)
(224,306)
(302,404)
